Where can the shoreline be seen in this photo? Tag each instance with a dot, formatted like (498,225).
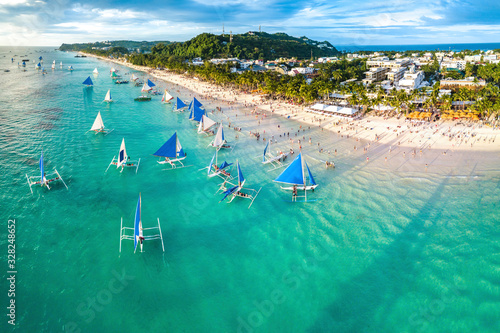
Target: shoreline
(391,132)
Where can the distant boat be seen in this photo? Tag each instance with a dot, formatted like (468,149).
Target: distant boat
(108,97)
(61,64)
(134,78)
(275,161)
(70,68)
(123,159)
(179,104)
(205,125)
(112,70)
(172,152)
(146,88)
(137,231)
(98,126)
(88,82)
(196,113)
(95,71)
(114,75)
(121,82)
(53,66)
(38,66)
(237,190)
(295,175)
(42,179)
(142,98)
(166,98)
(219,140)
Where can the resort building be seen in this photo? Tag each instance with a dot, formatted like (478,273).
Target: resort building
(391,64)
(375,74)
(458,64)
(396,74)
(469,82)
(412,80)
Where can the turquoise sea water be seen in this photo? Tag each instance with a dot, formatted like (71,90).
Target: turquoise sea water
(387,246)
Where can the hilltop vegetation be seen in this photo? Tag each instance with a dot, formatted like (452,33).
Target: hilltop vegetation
(253,45)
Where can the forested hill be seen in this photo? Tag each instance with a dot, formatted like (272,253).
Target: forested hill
(251,45)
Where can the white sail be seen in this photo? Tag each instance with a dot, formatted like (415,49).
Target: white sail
(53,66)
(98,124)
(166,97)
(112,70)
(200,127)
(61,64)
(122,155)
(145,87)
(219,137)
(207,122)
(95,71)
(108,96)
(134,78)
(54,62)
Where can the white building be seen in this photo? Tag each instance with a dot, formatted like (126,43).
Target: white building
(412,80)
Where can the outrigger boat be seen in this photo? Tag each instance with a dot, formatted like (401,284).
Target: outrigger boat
(166,98)
(123,159)
(98,126)
(145,88)
(216,170)
(88,82)
(219,140)
(95,72)
(134,78)
(294,175)
(42,180)
(179,105)
(196,113)
(237,190)
(172,153)
(108,98)
(205,125)
(114,76)
(138,235)
(70,68)
(275,161)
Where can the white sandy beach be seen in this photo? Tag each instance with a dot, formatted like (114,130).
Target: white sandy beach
(415,137)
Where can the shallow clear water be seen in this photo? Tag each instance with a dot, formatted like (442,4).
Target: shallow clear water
(387,246)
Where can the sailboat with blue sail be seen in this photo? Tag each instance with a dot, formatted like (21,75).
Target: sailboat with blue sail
(123,160)
(88,82)
(295,175)
(214,169)
(237,190)
(179,105)
(136,233)
(70,68)
(171,152)
(44,179)
(196,113)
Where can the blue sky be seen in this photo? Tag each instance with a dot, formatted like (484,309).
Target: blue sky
(345,22)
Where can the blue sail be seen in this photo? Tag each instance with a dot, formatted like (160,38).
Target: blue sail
(88,82)
(151,84)
(241,179)
(137,223)
(179,103)
(311,178)
(41,167)
(229,192)
(224,165)
(211,163)
(40,58)
(169,148)
(191,113)
(197,102)
(293,174)
(265,151)
(197,113)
